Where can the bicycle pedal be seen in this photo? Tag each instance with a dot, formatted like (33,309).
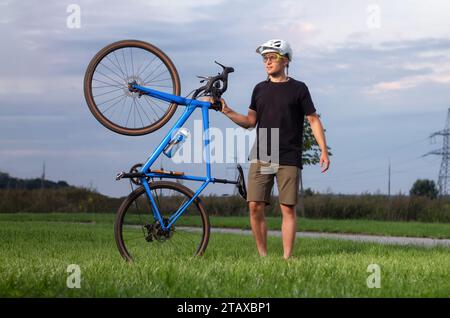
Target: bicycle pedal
(242,189)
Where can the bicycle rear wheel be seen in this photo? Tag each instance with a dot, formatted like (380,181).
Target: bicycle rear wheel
(139,236)
(106,87)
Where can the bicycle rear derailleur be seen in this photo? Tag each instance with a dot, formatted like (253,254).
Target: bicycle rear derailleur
(155,231)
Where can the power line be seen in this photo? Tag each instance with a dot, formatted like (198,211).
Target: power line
(346,178)
(389,178)
(378,167)
(378,153)
(361,175)
(364,172)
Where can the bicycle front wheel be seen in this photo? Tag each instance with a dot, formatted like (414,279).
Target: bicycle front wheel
(139,236)
(106,87)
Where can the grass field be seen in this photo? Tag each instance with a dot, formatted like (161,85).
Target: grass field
(35,253)
(413,229)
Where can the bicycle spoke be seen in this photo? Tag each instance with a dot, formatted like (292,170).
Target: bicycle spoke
(155,77)
(160,80)
(114,108)
(160,85)
(109,78)
(143,110)
(140,237)
(114,90)
(186,237)
(117,66)
(145,79)
(140,219)
(109,84)
(134,114)
(122,108)
(139,73)
(125,62)
(117,60)
(110,100)
(137,109)
(132,63)
(118,75)
(143,60)
(158,205)
(128,118)
(151,107)
(155,104)
(114,104)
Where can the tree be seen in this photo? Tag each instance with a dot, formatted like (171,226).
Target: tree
(311,150)
(424,187)
(310,156)
(309,192)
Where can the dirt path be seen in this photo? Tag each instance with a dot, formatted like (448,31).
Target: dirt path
(398,240)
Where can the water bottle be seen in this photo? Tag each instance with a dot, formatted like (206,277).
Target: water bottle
(176,142)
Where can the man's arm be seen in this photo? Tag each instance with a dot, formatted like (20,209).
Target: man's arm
(245,121)
(319,135)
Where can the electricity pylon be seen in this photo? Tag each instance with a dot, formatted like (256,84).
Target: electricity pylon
(445,153)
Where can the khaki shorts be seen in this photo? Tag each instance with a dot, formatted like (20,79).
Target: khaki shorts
(260,182)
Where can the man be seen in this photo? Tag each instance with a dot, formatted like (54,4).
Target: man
(280,102)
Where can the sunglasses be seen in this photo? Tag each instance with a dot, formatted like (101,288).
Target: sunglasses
(273,57)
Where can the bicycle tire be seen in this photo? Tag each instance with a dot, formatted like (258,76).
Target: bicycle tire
(145,248)
(118,78)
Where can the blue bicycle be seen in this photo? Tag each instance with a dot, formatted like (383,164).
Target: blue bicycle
(133,88)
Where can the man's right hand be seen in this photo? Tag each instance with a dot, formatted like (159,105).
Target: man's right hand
(246,122)
(225,108)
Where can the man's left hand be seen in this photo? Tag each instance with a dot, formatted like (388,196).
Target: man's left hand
(324,161)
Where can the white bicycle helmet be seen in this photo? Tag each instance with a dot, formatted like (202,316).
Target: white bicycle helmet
(276,45)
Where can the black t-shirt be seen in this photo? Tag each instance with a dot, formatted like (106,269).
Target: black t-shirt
(282,105)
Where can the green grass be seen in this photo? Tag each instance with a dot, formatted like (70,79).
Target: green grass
(413,229)
(34,255)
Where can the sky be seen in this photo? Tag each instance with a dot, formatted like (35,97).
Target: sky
(378,73)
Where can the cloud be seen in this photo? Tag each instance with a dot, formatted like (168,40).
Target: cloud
(410,82)
(73,153)
(434,64)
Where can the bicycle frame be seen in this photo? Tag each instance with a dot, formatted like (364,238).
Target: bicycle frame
(191,104)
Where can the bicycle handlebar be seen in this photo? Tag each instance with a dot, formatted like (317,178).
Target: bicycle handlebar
(216,86)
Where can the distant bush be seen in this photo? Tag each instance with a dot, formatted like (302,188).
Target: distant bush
(8,182)
(334,206)
(365,206)
(378,207)
(69,199)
